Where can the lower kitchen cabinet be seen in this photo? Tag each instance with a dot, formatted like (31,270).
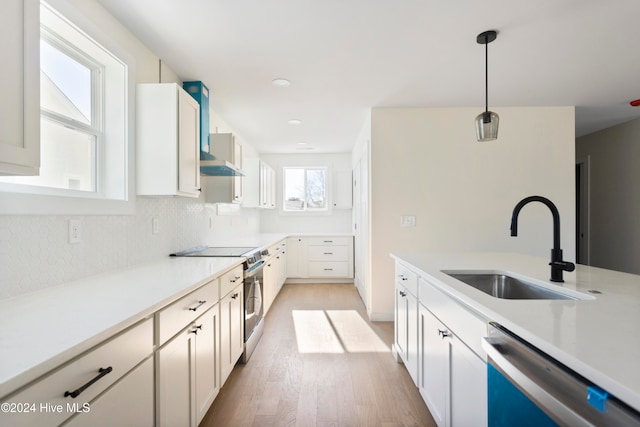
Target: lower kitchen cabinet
(187,373)
(406,321)
(98,377)
(128,404)
(231,330)
(275,273)
(433,366)
(438,340)
(323,257)
(207,359)
(175,386)
(452,379)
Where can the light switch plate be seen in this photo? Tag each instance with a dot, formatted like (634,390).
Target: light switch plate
(407,221)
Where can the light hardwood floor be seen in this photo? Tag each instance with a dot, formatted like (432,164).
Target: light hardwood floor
(320,363)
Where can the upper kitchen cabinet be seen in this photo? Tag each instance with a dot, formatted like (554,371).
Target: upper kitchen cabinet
(342,189)
(225,184)
(259,185)
(20,88)
(168,141)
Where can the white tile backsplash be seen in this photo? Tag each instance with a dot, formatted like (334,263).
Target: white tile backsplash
(35,253)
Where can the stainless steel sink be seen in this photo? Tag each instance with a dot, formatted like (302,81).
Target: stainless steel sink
(503,286)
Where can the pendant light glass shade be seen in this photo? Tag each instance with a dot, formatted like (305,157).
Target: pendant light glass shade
(487,126)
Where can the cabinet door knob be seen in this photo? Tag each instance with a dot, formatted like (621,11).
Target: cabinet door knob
(234,296)
(403,294)
(444,334)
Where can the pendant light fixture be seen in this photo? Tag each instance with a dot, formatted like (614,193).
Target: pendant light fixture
(487,122)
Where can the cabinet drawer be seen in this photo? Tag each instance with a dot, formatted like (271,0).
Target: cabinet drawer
(128,403)
(328,253)
(469,327)
(324,241)
(230,280)
(329,269)
(173,318)
(121,354)
(407,279)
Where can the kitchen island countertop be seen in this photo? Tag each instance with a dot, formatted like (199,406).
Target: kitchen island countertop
(597,336)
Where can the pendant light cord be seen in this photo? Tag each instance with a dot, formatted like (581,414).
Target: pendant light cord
(486,73)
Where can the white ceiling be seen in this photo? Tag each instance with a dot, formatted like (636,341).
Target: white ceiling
(345,56)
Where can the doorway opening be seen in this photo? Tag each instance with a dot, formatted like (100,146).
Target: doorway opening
(582,211)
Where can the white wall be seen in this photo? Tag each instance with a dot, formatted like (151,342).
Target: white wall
(426,162)
(614,197)
(275,221)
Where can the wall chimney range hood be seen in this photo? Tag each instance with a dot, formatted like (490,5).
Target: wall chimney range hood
(210,165)
(217,167)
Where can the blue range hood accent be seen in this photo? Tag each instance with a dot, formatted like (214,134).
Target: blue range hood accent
(209,166)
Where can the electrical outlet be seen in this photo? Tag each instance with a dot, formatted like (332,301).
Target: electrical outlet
(155,226)
(407,221)
(75,231)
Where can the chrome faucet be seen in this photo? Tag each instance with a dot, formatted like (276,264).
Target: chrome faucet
(557,264)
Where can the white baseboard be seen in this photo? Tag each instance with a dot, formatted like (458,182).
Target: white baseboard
(381,317)
(317,280)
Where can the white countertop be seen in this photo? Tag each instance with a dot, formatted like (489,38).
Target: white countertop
(598,338)
(41,330)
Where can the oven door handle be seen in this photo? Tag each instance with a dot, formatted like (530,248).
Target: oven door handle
(251,271)
(533,387)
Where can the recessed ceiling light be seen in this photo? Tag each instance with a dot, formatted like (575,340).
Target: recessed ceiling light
(281,82)
(301,143)
(294,122)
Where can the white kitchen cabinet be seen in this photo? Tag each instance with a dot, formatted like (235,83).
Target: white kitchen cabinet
(433,365)
(406,320)
(188,360)
(258,184)
(225,189)
(167,141)
(275,271)
(175,381)
(452,378)
(231,330)
(188,372)
(297,264)
(342,197)
(321,257)
(207,361)
(20,88)
(87,377)
(128,404)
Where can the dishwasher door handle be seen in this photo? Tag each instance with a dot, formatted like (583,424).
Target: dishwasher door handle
(546,399)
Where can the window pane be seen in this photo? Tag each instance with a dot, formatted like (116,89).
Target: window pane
(294,189)
(65,84)
(68,159)
(316,189)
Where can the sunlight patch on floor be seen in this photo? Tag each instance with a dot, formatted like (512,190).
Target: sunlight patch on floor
(355,333)
(335,331)
(314,333)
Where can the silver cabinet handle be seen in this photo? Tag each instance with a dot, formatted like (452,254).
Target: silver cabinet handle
(403,294)
(200,304)
(328,253)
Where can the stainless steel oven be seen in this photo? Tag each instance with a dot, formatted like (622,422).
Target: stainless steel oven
(253,288)
(526,387)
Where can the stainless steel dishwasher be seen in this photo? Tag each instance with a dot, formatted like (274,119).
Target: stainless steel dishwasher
(526,387)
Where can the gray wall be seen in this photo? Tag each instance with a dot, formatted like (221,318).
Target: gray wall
(614,196)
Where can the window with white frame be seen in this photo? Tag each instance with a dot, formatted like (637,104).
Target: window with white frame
(84,107)
(305,189)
